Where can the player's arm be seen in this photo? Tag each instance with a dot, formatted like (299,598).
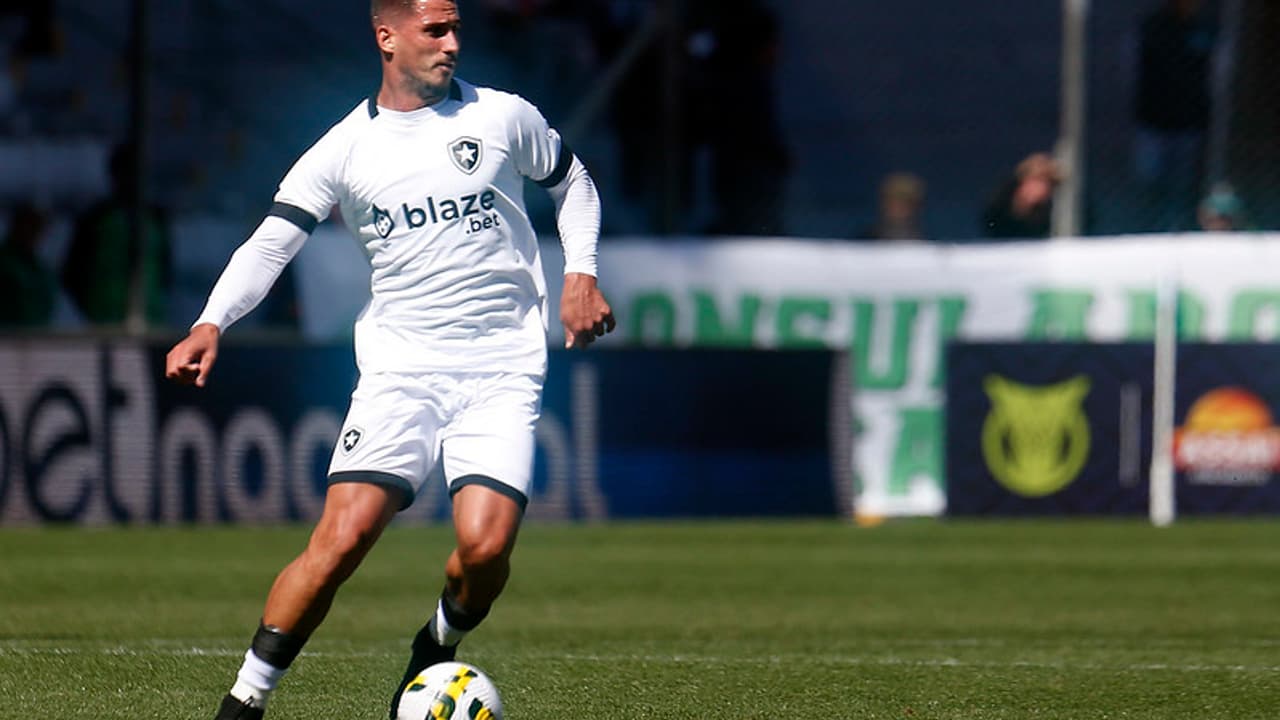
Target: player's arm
(542,156)
(584,312)
(249,275)
(306,194)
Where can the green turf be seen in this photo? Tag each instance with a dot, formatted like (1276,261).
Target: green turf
(740,621)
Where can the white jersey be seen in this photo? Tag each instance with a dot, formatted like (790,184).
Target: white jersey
(435,198)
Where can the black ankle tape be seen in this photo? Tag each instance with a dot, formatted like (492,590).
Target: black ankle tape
(458,617)
(276,648)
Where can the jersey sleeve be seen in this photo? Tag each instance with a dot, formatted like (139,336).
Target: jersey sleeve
(540,154)
(543,157)
(308,191)
(306,195)
(251,271)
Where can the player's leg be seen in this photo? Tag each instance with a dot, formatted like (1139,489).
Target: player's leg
(354,517)
(488,463)
(486,522)
(355,514)
(386,448)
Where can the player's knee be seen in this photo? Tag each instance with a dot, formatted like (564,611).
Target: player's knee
(483,553)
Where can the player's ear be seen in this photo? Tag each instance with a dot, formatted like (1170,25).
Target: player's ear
(386,38)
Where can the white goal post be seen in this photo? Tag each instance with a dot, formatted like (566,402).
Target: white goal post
(1163,505)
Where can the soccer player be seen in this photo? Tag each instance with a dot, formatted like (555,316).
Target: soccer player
(452,346)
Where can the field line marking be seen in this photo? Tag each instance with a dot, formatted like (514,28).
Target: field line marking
(692,659)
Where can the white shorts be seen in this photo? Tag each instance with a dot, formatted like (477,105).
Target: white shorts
(480,425)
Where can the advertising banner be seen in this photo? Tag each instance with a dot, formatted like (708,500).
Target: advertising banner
(1065,428)
(1226,446)
(91,433)
(1048,428)
(894,308)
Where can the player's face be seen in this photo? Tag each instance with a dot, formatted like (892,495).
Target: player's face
(425,45)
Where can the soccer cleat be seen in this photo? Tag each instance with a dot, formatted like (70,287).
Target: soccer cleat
(426,652)
(234,708)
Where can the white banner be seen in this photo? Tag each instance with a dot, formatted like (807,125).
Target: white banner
(895,306)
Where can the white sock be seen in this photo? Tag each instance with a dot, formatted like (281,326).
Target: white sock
(255,681)
(445,634)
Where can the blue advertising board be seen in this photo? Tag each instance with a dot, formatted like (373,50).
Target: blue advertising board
(1226,448)
(1065,428)
(703,432)
(91,433)
(1048,428)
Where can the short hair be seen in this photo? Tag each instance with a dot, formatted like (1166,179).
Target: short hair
(380,9)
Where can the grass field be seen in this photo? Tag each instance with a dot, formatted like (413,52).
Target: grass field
(739,621)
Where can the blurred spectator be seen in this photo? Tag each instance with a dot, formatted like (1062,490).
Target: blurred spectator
(545,45)
(1023,207)
(900,205)
(655,172)
(1221,210)
(31,97)
(1172,110)
(37,31)
(104,254)
(712,68)
(737,115)
(28,289)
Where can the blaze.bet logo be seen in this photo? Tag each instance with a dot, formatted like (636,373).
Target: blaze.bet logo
(1036,438)
(473,212)
(1228,438)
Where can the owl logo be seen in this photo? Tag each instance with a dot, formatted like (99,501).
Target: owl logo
(1036,439)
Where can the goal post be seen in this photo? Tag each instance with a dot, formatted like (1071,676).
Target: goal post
(1163,501)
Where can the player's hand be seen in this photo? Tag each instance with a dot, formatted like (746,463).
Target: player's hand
(189,362)
(583,311)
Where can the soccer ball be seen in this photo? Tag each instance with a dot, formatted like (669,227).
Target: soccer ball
(450,691)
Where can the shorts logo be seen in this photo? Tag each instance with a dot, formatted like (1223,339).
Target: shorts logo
(351,438)
(466,153)
(383,222)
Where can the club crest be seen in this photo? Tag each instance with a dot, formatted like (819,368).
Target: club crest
(466,153)
(351,438)
(383,222)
